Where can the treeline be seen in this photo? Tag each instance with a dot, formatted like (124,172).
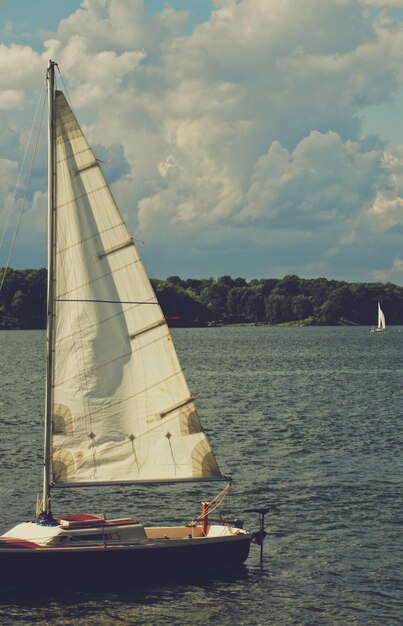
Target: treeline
(313,301)
(226,300)
(23,299)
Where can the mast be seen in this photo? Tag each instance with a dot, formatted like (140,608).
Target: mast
(50,284)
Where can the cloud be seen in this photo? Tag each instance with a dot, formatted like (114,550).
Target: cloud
(21,68)
(95,76)
(8,174)
(11,99)
(393,274)
(242,140)
(323,181)
(383,3)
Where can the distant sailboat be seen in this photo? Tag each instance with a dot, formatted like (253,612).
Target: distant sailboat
(118,408)
(381,322)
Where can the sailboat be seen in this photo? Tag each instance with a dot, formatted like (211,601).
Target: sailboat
(118,409)
(381,322)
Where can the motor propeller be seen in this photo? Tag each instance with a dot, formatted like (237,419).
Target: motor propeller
(259,536)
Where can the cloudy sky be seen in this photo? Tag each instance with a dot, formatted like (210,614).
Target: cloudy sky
(255,138)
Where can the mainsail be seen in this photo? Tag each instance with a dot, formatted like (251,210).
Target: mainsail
(121,408)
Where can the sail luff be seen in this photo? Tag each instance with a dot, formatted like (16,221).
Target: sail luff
(122,409)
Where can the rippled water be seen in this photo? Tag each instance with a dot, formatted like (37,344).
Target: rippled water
(307,419)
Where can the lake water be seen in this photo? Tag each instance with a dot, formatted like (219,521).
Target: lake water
(307,419)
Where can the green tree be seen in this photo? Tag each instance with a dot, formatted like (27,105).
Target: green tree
(288,286)
(215,297)
(278,309)
(301,307)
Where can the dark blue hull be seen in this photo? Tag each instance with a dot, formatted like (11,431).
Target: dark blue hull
(66,565)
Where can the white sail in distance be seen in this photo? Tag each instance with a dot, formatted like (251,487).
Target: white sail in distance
(122,411)
(381,318)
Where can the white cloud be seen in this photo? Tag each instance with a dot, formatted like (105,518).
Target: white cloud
(323,181)
(20,68)
(248,129)
(386,212)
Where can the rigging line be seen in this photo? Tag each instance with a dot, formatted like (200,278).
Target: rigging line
(215,503)
(22,164)
(66,91)
(69,100)
(34,122)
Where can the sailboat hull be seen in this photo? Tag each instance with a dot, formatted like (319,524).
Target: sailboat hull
(36,565)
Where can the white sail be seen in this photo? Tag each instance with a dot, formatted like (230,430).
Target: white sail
(122,410)
(381,318)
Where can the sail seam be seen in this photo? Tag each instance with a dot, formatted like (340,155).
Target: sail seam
(87,194)
(73,136)
(100,277)
(128,397)
(100,254)
(99,323)
(95,236)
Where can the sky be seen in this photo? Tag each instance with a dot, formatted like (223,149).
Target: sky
(253,138)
